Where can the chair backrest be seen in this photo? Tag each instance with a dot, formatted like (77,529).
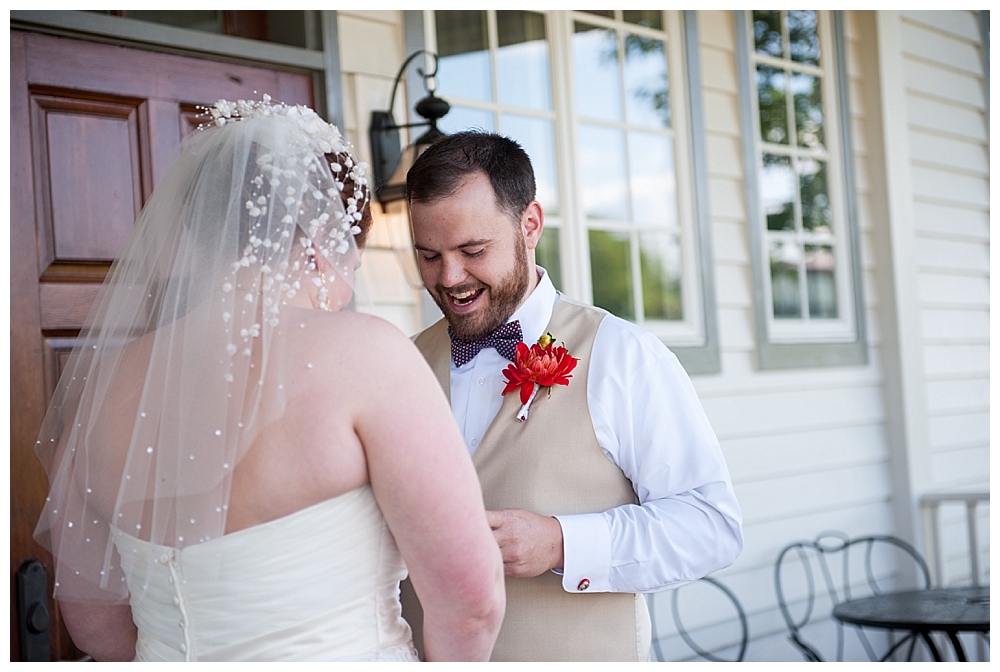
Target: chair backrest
(693,605)
(812,577)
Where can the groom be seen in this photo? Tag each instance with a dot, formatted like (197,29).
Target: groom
(615,485)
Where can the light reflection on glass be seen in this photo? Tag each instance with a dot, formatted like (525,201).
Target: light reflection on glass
(771,86)
(523,60)
(611,270)
(464,119)
(820,283)
(596,75)
(463,55)
(802,37)
(777,192)
(814,191)
(808,99)
(601,159)
(547,255)
(660,265)
(652,179)
(647,102)
(651,18)
(767,33)
(537,137)
(785,257)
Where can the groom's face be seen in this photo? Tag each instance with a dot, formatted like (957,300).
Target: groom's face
(473,257)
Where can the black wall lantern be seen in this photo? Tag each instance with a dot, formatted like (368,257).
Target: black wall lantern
(389,162)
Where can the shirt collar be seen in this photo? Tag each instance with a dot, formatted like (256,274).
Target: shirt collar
(536,311)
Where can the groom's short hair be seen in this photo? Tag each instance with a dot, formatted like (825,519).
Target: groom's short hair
(445,165)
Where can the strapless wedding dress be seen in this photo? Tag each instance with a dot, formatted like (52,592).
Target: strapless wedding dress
(319,584)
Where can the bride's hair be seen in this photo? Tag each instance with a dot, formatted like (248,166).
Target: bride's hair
(365,223)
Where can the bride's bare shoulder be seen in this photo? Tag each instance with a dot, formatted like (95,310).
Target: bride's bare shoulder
(352,338)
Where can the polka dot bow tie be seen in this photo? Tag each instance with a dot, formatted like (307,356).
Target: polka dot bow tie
(504,339)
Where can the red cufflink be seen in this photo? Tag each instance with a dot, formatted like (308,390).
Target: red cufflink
(583,585)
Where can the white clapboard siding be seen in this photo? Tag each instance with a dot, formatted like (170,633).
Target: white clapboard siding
(949,166)
(371,51)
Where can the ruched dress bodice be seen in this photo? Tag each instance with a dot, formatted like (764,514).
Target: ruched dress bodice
(319,584)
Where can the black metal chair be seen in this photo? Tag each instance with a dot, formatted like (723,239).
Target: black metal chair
(703,590)
(849,569)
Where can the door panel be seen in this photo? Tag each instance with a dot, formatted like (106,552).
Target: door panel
(93,128)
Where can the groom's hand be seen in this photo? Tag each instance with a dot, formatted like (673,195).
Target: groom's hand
(529,543)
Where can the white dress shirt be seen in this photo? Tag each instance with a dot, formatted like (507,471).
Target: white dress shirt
(650,423)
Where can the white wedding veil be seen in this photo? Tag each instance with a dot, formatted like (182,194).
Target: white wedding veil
(175,373)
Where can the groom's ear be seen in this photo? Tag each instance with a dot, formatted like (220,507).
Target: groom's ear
(532,223)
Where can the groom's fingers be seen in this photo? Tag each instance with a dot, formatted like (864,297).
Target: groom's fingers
(529,543)
(495,518)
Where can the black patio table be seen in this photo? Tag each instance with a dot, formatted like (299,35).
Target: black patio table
(948,610)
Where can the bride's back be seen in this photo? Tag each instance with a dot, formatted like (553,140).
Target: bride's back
(308,453)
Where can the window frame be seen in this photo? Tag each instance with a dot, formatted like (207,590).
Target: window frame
(698,349)
(799,347)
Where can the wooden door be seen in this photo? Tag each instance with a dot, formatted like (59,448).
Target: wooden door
(93,128)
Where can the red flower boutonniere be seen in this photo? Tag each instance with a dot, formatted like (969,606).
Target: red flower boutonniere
(541,365)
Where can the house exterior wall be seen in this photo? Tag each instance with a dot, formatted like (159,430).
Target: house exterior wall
(821,448)
(371,51)
(948,142)
(792,438)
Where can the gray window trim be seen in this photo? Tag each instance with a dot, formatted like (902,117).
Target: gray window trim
(701,359)
(800,355)
(704,358)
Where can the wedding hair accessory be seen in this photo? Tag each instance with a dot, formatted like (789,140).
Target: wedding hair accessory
(194,342)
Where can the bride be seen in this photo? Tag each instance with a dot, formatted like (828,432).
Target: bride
(238,468)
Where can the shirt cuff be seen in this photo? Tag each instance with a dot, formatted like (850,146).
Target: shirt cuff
(586,553)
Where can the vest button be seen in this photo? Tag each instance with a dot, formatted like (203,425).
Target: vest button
(583,585)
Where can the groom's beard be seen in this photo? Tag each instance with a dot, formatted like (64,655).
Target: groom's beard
(502,299)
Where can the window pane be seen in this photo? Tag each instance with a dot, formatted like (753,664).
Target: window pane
(596,75)
(463,55)
(464,118)
(646,85)
(608,13)
(611,270)
(816,215)
(601,157)
(653,180)
(660,263)
(523,60)
(537,137)
(547,255)
(767,33)
(771,103)
(651,18)
(820,282)
(802,37)
(785,257)
(808,99)
(777,192)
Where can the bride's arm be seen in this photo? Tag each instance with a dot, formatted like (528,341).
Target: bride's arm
(105,632)
(427,488)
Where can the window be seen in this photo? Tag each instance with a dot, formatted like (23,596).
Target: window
(802,234)
(600,101)
(494,68)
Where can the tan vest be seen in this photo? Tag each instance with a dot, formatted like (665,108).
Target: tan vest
(552,464)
